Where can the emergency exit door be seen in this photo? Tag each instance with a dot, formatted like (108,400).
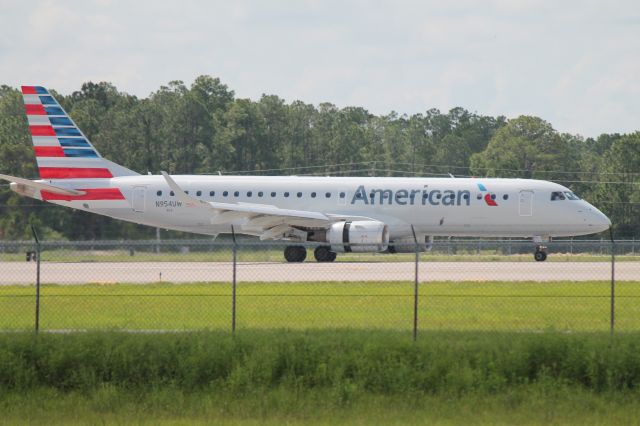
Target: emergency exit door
(139,198)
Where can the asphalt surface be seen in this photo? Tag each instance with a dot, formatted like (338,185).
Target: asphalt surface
(181,272)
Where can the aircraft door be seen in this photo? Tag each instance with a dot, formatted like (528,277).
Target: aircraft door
(138,201)
(526,203)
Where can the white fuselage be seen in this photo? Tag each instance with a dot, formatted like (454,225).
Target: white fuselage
(433,206)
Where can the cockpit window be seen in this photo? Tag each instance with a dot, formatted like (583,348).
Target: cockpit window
(555,196)
(571,196)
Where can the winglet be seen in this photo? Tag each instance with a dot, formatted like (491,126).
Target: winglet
(183,196)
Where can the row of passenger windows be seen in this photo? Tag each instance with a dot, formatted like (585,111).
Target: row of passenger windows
(555,196)
(494,196)
(286,194)
(259,194)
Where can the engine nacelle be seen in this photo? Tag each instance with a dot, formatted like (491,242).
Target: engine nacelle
(408,244)
(361,236)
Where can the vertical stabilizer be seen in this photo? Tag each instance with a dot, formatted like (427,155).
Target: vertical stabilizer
(62,150)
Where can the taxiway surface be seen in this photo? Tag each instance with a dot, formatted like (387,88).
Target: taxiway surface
(181,272)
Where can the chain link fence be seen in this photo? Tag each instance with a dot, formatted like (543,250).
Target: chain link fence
(585,285)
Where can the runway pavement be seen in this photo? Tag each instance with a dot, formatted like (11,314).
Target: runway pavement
(181,272)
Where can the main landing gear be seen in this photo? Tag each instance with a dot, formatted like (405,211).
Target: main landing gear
(297,254)
(541,254)
(324,254)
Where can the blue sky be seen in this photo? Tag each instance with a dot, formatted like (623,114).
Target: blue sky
(574,63)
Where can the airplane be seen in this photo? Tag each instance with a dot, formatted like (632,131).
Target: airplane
(342,214)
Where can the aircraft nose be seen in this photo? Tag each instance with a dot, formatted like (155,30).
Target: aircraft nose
(599,221)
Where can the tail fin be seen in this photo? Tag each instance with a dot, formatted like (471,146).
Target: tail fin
(62,150)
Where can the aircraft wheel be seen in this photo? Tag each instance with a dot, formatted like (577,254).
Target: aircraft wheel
(324,254)
(295,254)
(540,256)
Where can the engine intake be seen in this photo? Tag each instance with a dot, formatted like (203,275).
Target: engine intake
(361,236)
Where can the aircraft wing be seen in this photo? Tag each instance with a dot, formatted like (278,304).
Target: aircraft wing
(267,221)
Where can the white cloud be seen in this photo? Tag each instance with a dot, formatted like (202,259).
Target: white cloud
(574,63)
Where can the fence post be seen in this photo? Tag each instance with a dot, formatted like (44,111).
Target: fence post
(415,286)
(38,251)
(613,280)
(233,297)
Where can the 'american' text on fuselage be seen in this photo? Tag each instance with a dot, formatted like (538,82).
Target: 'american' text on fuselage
(410,197)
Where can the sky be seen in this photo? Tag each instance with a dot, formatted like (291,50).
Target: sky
(573,63)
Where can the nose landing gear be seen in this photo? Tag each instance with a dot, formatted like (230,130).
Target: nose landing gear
(541,254)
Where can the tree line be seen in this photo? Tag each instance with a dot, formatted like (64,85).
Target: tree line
(205,129)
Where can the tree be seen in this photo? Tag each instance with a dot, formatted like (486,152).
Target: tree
(619,192)
(526,147)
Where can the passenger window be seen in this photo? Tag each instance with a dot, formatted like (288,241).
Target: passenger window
(555,196)
(493,196)
(225,193)
(327,195)
(249,194)
(212,193)
(171,193)
(299,194)
(159,193)
(273,194)
(313,195)
(186,192)
(342,195)
(236,194)
(286,194)
(260,194)
(199,193)
(479,196)
(505,197)
(465,196)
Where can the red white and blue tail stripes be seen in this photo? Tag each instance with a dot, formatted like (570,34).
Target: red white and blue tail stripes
(62,150)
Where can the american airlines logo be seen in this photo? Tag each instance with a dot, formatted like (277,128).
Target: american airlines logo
(403,197)
(487,196)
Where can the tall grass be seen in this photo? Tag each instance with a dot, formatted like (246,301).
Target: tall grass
(344,363)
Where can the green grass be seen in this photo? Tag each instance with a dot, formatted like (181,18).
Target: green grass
(498,306)
(275,255)
(531,405)
(320,377)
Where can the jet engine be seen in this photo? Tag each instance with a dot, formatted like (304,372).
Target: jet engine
(358,236)
(408,244)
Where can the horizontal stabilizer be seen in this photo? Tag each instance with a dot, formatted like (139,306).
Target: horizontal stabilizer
(41,186)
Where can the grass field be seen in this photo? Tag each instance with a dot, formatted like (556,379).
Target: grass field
(545,404)
(320,377)
(497,306)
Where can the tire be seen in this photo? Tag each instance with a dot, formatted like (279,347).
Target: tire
(324,254)
(295,254)
(540,256)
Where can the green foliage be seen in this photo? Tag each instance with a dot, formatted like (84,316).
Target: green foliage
(352,363)
(524,147)
(204,128)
